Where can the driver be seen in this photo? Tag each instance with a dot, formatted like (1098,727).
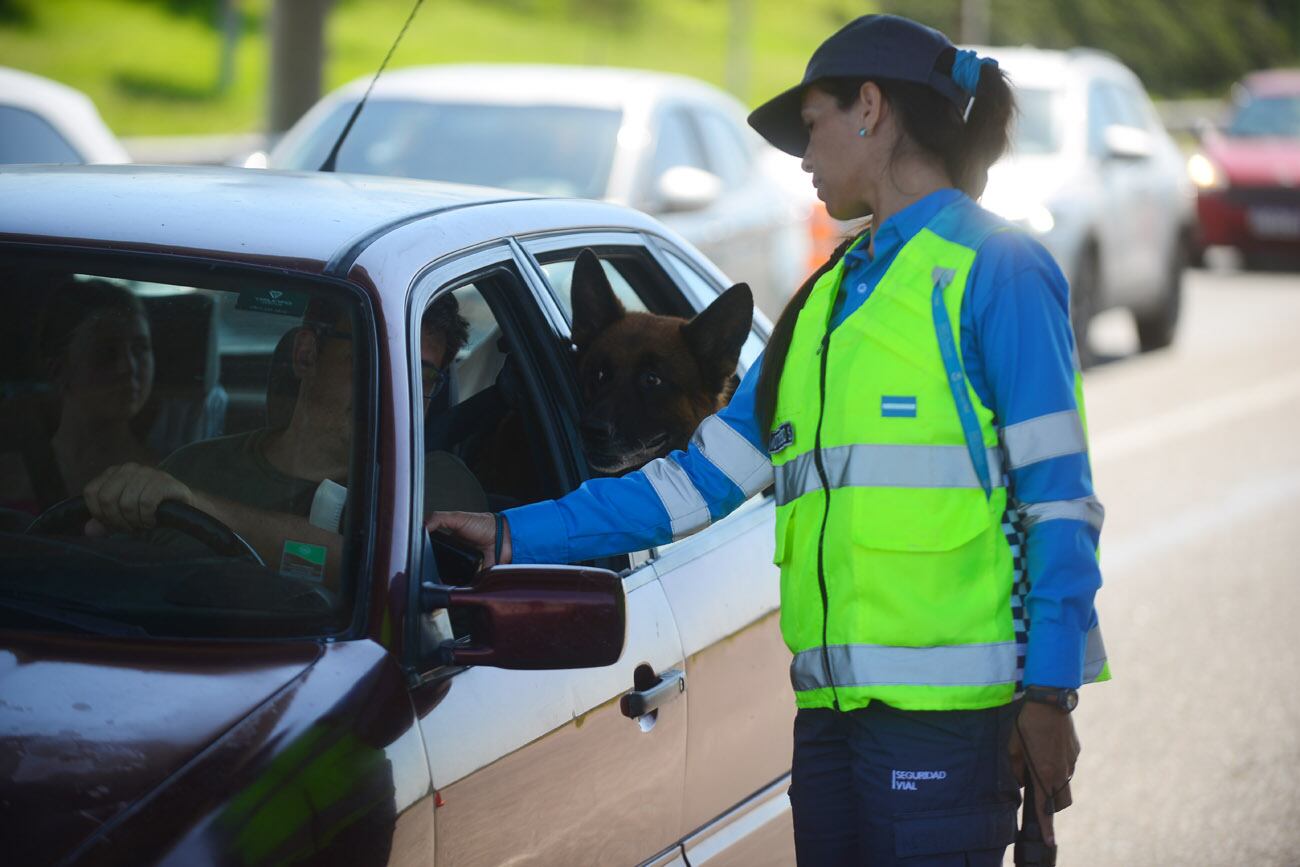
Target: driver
(264,484)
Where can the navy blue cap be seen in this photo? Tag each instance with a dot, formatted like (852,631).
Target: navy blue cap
(873,46)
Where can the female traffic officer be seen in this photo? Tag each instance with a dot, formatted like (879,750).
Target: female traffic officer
(919,414)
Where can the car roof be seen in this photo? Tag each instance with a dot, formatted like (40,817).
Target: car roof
(300,220)
(1032,67)
(67,109)
(1273,82)
(535,84)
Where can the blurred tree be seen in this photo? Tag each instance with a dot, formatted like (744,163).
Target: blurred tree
(616,14)
(1176,47)
(297,58)
(16,13)
(230,26)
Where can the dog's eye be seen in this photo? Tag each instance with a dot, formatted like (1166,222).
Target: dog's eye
(602,376)
(650,379)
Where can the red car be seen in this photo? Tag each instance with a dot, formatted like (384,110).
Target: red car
(1248,173)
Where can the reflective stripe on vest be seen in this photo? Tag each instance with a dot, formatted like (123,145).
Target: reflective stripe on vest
(883,466)
(948,665)
(880,665)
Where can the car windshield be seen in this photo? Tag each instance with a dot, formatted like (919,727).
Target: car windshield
(1037,122)
(547,149)
(1271,116)
(176,450)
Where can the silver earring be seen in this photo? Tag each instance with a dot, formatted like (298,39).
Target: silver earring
(864,132)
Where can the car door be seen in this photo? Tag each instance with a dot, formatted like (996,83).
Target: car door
(677,141)
(1158,194)
(536,767)
(724,594)
(1123,215)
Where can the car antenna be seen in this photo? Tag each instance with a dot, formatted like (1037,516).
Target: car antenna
(328,165)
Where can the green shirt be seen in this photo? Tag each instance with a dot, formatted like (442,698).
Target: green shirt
(234,467)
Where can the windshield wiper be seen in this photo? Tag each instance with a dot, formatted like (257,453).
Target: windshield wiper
(79,620)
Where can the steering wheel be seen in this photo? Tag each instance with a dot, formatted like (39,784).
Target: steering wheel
(69,516)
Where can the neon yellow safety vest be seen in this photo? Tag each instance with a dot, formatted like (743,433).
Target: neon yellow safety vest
(896,575)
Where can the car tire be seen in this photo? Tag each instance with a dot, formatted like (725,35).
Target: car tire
(1083,302)
(1155,328)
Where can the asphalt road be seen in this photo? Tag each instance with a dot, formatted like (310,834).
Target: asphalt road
(1191,755)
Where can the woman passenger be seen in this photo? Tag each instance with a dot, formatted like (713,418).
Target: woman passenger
(95,353)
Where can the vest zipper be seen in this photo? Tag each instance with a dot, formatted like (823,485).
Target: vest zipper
(821,539)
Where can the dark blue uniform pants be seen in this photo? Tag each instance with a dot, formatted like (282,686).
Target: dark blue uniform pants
(882,786)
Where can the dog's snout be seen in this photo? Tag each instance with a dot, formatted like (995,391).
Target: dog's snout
(597,428)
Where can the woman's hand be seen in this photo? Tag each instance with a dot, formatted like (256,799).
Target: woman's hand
(1046,735)
(478,529)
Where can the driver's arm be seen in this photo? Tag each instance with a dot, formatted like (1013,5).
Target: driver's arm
(126,497)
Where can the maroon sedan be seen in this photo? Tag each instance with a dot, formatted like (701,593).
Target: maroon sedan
(1248,174)
(277,664)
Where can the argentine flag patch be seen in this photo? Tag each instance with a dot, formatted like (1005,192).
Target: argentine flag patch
(897,407)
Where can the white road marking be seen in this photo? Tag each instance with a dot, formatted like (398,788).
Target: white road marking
(1195,418)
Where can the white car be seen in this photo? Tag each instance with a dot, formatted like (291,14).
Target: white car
(1095,176)
(671,146)
(43,121)
(179,704)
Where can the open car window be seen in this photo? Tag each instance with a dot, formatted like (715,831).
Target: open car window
(230,401)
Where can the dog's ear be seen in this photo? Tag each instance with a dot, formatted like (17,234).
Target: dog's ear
(595,306)
(718,331)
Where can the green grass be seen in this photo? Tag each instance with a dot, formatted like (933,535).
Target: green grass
(154,72)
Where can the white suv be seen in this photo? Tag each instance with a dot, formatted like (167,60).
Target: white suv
(1095,176)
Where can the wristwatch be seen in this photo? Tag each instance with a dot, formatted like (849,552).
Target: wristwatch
(1057,696)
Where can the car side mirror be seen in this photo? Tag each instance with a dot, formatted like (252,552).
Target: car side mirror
(534,617)
(1128,143)
(685,188)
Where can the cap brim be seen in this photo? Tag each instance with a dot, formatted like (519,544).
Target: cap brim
(780,121)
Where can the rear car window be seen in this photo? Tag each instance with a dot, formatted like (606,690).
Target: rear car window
(28,138)
(553,150)
(1268,117)
(1037,125)
(233,398)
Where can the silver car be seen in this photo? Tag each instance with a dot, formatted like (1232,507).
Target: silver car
(44,121)
(1095,176)
(671,146)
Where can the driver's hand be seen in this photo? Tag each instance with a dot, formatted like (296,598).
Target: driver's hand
(126,496)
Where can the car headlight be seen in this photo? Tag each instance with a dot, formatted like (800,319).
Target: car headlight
(1021,210)
(1039,219)
(1205,174)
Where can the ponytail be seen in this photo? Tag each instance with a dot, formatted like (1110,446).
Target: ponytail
(986,133)
(778,346)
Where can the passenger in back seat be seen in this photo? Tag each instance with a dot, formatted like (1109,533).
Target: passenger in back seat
(94,351)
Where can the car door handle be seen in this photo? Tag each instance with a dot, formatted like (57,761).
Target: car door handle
(640,702)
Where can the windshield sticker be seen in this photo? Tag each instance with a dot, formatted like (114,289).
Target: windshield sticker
(303,560)
(280,301)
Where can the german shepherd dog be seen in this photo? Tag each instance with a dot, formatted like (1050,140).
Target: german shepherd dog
(647,380)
